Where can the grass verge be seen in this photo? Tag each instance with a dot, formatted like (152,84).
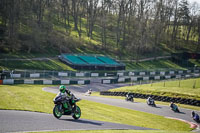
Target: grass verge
(50,64)
(189,88)
(32,98)
(118,131)
(162,64)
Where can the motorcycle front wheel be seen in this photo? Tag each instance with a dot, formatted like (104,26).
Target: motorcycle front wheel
(77,113)
(57,112)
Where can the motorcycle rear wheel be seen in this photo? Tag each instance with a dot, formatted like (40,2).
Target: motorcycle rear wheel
(132,100)
(56,112)
(77,113)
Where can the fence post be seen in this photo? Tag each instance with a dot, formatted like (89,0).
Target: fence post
(25,74)
(53,74)
(44,74)
(194,85)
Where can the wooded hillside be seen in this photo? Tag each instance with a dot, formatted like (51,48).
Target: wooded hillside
(116,27)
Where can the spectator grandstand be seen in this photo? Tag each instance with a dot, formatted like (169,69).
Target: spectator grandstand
(91,62)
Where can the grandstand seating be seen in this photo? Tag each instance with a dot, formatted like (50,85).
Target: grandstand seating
(74,59)
(107,60)
(91,62)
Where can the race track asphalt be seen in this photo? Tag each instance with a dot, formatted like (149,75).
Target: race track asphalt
(24,121)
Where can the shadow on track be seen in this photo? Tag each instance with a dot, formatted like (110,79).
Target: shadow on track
(157,107)
(180,112)
(83,121)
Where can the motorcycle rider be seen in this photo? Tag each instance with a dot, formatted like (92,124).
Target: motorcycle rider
(89,92)
(150,100)
(66,93)
(174,106)
(195,116)
(129,96)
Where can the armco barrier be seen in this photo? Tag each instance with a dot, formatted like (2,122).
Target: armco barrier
(47,82)
(155,97)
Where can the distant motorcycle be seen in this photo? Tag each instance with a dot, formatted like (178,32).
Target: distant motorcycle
(195,117)
(89,92)
(129,97)
(60,110)
(174,107)
(151,103)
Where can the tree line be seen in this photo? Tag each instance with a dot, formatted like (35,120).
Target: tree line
(126,26)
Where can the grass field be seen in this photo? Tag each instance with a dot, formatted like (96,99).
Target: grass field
(32,98)
(189,88)
(161,64)
(28,55)
(50,64)
(153,65)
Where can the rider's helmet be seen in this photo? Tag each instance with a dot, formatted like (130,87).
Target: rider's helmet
(62,89)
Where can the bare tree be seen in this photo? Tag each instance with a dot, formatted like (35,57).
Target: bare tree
(175,25)
(65,13)
(92,11)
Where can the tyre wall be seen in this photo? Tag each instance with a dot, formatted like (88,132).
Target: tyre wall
(155,97)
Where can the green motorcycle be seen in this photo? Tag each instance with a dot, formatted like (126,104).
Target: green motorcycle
(59,108)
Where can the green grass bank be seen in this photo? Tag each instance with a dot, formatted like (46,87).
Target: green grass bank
(189,88)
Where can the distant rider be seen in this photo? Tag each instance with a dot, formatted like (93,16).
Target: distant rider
(129,97)
(195,116)
(172,105)
(90,91)
(128,94)
(150,100)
